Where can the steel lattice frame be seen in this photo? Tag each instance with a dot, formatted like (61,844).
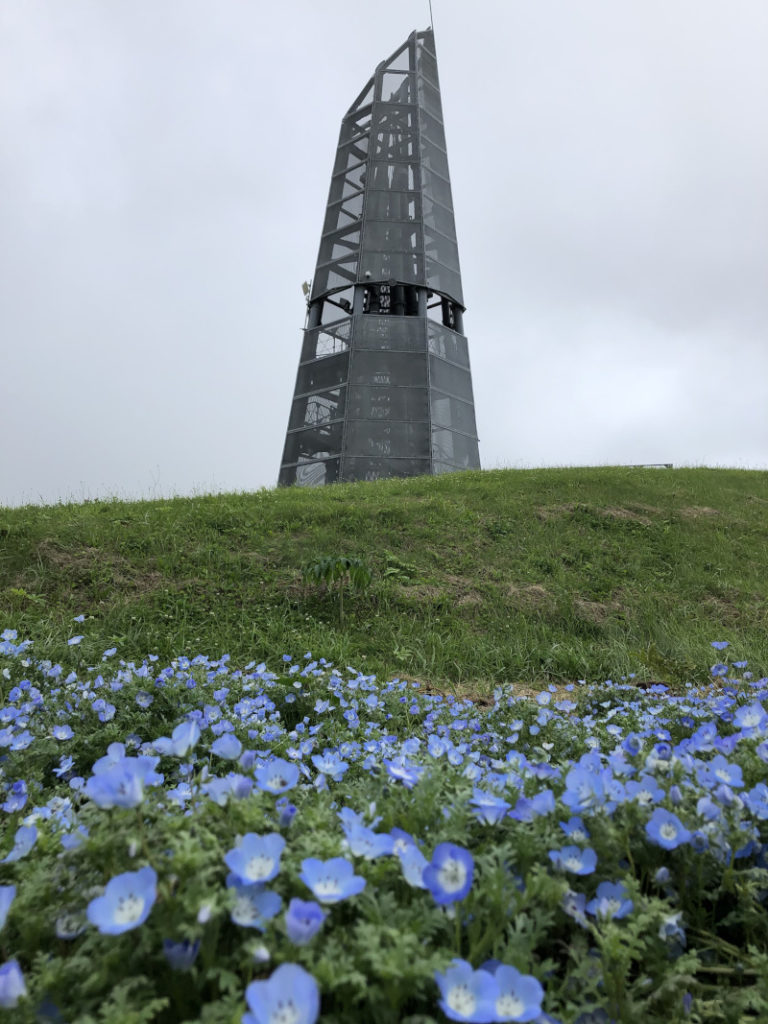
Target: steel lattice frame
(384,386)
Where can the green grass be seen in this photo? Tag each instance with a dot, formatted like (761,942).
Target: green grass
(479,578)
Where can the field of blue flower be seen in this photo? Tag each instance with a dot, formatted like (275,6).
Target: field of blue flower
(201,842)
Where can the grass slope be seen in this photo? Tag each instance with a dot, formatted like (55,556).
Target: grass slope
(478,578)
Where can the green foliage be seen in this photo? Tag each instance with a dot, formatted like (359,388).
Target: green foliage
(478,578)
(338,569)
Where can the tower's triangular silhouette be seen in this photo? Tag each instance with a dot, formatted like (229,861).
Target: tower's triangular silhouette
(384,386)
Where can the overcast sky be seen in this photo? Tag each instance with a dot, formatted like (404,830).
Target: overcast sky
(164,167)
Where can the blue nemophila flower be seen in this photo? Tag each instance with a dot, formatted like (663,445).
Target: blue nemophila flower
(7,895)
(277,776)
(181,955)
(574,905)
(611,902)
(757,801)
(329,763)
(467,995)
(671,930)
(12,986)
(401,769)
(303,920)
(719,645)
(412,863)
(331,880)
(364,842)
(645,790)
(23,841)
(227,746)
(449,874)
(666,830)
(17,797)
(519,996)
(256,858)
(126,902)
(289,996)
(752,718)
(584,789)
(575,829)
(183,739)
(575,860)
(121,784)
(489,808)
(62,732)
(719,770)
(74,640)
(286,811)
(254,904)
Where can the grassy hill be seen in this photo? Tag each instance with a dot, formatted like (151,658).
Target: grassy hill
(477,578)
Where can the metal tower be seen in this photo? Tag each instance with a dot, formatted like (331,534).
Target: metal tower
(384,386)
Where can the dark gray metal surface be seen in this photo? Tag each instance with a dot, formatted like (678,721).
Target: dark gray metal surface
(384,386)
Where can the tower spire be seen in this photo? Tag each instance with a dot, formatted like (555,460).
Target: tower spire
(383,387)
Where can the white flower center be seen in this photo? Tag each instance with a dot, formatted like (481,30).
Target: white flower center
(509,1004)
(572,863)
(129,909)
(461,1000)
(609,907)
(327,886)
(284,1012)
(259,867)
(723,774)
(244,910)
(276,782)
(668,830)
(452,876)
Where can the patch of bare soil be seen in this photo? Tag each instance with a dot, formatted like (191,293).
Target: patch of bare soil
(83,566)
(697,511)
(531,597)
(598,611)
(637,513)
(421,591)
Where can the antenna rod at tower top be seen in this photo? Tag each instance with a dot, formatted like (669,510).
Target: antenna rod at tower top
(431,21)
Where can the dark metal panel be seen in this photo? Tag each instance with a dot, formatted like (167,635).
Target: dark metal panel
(408,369)
(447,344)
(385,403)
(439,218)
(383,468)
(458,449)
(330,339)
(392,266)
(321,440)
(404,206)
(449,378)
(441,249)
(311,473)
(393,236)
(387,438)
(322,373)
(452,412)
(396,333)
(317,409)
(445,280)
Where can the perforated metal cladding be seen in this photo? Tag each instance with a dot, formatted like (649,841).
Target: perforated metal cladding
(383,386)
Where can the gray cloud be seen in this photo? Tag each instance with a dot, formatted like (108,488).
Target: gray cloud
(163,174)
